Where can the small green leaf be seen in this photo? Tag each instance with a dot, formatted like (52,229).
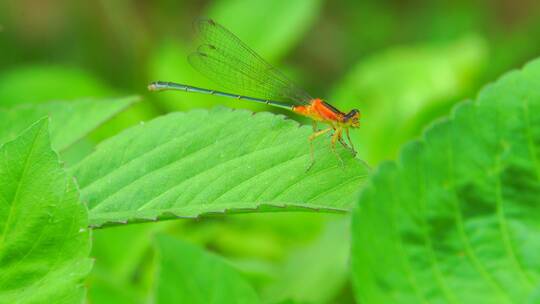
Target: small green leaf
(120,253)
(37,83)
(457,218)
(187,274)
(202,162)
(70,121)
(315,273)
(44,240)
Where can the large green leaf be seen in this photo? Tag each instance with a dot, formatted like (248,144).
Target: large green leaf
(201,162)
(187,274)
(70,121)
(44,240)
(457,218)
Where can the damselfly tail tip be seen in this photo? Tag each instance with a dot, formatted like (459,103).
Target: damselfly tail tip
(153,86)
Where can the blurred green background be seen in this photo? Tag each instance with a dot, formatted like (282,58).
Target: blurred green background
(402,63)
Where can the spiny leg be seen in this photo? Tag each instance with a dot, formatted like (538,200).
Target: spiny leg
(343,143)
(311,138)
(335,137)
(354,150)
(350,141)
(314,125)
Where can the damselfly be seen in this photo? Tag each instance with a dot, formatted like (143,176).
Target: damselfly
(226,60)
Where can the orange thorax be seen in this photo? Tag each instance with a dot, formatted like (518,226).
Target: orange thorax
(320,111)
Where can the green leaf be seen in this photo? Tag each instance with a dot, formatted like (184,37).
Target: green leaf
(120,253)
(108,291)
(120,249)
(187,274)
(202,162)
(315,273)
(70,121)
(457,218)
(44,240)
(33,84)
(400,90)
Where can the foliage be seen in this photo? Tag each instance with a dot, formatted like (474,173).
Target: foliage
(229,190)
(456,218)
(302,282)
(169,167)
(44,239)
(207,278)
(35,84)
(70,121)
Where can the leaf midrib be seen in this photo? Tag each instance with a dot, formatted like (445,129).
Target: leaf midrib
(17,191)
(441,280)
(505,233)
(410,272)
(461,227)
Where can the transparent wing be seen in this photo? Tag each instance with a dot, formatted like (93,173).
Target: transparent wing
(226,60)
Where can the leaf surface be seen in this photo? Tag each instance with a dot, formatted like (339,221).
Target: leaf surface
(44,240)
(315,273)
(70,121)
(457,218)
(187,274)
(202,162)
(41,83)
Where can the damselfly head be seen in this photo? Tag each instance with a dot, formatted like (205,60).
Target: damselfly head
(352,118)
